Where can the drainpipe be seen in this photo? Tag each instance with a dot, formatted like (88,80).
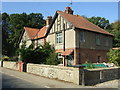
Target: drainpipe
(64,44)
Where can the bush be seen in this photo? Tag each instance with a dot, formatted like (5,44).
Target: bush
(41,55)
(114,56)
(52,59)
(5,58)
(14,58)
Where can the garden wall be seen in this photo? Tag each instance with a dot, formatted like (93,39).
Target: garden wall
(94,76)
(11,65)
(69,74)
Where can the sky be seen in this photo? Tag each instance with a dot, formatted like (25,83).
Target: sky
(108,10)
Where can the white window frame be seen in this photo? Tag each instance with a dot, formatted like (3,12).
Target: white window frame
(59,37)
(82,36)
(97,39)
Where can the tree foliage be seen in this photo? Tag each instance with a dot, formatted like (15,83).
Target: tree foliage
(100,21)
(41,55)
(114,56)
(116,32)
(13,24)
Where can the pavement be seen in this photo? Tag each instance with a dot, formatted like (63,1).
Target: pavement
(36,81)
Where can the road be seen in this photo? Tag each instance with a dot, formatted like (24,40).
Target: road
(13,82)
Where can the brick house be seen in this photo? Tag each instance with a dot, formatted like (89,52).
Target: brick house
(75,39)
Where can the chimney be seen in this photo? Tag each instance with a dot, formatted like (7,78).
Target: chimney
(48,20)
(68,10)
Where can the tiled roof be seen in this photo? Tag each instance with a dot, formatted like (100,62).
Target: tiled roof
(80,22)
(41,32)
(31,32)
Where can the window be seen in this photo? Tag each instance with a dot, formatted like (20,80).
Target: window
(59,37)
(106,42)
(99,59)
(82,37)
(40,41)
(97,39)
(60,58)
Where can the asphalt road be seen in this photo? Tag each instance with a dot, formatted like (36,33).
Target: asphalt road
(13,82)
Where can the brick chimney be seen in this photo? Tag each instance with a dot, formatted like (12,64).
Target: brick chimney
(68,10)
(48,20)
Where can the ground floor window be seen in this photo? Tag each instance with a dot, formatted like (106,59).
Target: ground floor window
(70,59)
(99,59)
(60,58)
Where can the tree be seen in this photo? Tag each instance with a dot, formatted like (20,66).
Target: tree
(5,34)
(100,21)
(116,32)
(114,56)
(13,25)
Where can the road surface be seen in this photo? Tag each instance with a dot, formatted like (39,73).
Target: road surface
(13,82)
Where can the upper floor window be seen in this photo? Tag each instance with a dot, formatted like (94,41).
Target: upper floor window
(59,37)
(106,41)
(40,41)
(82,37)
(97,39)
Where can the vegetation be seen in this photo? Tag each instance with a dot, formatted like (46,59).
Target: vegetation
(114,56)
(12,25)
(5,58)
(41,55)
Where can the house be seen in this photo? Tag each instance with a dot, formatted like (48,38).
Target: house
(29,34)
(76,40)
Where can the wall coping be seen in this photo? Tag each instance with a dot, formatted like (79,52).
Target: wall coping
(53,66)
(100,69)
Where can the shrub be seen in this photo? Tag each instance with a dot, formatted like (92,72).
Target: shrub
(114,56)
(52,59)
(41,55)
(5,58)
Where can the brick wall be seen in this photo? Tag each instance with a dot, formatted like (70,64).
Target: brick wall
(92,55)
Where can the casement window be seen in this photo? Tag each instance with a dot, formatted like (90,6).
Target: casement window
(106,41)
(82,37)
(40,41)
(59,37)
(97,39)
